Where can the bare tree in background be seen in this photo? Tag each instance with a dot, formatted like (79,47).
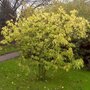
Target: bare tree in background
(6,11)
(8,8)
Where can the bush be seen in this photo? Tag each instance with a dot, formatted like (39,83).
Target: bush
(48,38)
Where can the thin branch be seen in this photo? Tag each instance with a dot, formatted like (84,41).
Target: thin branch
(15,8)
(33,3)
(15,4)
(39,5)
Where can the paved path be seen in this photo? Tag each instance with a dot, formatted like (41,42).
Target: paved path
(9,56)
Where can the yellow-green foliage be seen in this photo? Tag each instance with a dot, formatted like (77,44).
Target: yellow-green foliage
(47,38)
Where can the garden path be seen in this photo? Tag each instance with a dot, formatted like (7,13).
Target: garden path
(9,56)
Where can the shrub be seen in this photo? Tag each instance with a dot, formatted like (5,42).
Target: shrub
(48,38)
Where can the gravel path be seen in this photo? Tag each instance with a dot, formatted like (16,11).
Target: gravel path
(9,56)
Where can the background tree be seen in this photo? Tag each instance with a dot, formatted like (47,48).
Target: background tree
(8,8)
(33,5)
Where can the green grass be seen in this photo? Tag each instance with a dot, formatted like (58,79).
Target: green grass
(14,77)
(7,49)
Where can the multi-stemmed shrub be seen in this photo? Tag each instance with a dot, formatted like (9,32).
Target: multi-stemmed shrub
(49,38)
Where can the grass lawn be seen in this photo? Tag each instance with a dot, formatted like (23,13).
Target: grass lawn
(13,77)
